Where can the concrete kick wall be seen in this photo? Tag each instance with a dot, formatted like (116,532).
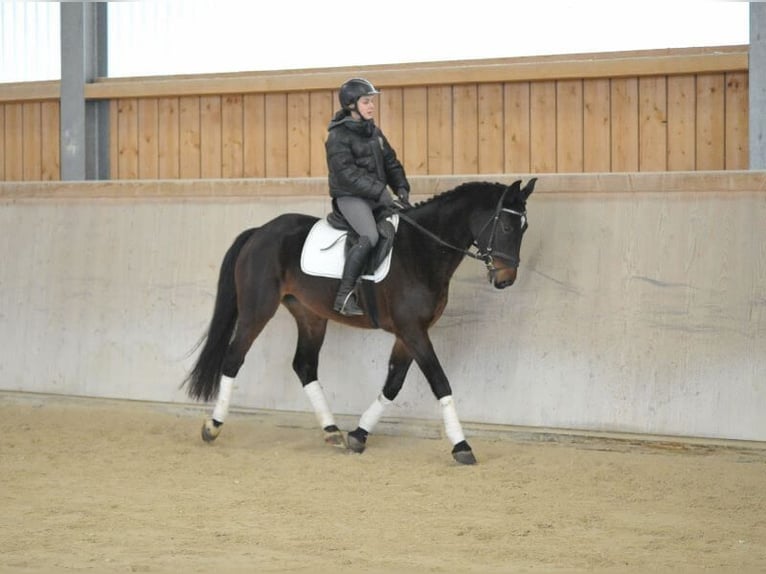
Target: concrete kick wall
(640,304)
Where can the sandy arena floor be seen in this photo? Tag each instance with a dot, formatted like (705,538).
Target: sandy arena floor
(108,486)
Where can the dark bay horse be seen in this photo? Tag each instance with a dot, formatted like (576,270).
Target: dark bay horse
(262,270)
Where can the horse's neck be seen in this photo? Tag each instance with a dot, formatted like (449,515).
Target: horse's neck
(449,220)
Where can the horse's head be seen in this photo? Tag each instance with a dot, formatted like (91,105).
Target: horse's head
(499,236)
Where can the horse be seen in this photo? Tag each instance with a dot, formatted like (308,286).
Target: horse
(261,270)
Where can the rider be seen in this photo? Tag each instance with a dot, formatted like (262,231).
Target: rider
(361,164)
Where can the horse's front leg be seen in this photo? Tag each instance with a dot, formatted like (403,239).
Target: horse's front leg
(419,344)
(398,365)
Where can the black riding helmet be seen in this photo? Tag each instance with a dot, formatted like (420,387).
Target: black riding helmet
(354,89)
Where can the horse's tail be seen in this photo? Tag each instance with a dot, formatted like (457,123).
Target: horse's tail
(204,379)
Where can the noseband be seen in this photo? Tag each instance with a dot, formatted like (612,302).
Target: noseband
(485,254)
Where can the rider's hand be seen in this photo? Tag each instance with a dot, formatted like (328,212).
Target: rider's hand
(404,195)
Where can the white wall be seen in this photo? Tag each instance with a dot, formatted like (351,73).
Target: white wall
(640,304)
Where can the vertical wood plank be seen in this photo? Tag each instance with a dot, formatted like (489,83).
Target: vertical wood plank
(466,125)
(491,148)
(321,106)
(127,138)
(517,128)
(653,126)
(569,126)
(51,141)
(276,135)
(254,135)
(114,140)
(31,141)
(169,141)
(2,142)
(232,136)
(210,143)
(390,114)
(415,149)
(189,118)
(682,125)
(597,132)
(14,132)
(440,129)
(298,135)
(624,98)
(710,124)
(737,118)
(148,139)
(542,121)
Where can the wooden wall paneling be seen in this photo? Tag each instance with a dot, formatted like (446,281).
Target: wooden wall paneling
(597,125)
(710,121)
(321,105)
(254,121)
(682,123)
(516,128)
(737,128)
(465,129)
(414,152)
(190,141)
(276,135)
(653,123)
(298,135)
(491,117)
(169,140)
(542,125)
(50,115)
(390,118)
(114,142)
(210,142)
(14,132)
(569,126)
(127,138)
(624,99)
(31,141)
(232,136)
(148,139)
(2,141)
(440,130)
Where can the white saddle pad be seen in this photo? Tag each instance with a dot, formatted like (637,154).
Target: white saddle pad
(323,253)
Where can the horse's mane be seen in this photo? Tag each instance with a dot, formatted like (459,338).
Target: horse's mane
(467,187)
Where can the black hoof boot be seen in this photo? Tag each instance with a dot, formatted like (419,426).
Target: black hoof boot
(357,440)
(462,453)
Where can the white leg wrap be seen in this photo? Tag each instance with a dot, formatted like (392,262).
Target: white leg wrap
(318,400)
(372,415)
(451,422)
(224,396)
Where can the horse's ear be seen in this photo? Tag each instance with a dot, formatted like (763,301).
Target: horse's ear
(515,187)
(529,188)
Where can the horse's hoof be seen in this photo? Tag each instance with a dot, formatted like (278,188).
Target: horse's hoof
(357,440)
(210,430)
(334,437)
(463,454)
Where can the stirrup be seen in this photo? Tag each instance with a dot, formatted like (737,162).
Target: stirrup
(349,306)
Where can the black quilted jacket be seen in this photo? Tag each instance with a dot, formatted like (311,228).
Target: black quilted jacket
(360,160)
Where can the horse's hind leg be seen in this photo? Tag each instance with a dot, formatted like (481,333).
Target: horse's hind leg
(257,306)
(311,333)
(398,365)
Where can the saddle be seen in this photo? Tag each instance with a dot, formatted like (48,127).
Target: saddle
(329,240)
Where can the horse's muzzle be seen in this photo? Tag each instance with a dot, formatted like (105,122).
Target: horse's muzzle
(502,277)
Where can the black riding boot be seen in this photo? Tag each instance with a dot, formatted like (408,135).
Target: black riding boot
(345,300)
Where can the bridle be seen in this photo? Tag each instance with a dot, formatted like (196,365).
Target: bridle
(487,255)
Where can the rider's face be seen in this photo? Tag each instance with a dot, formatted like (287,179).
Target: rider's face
(365,107)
